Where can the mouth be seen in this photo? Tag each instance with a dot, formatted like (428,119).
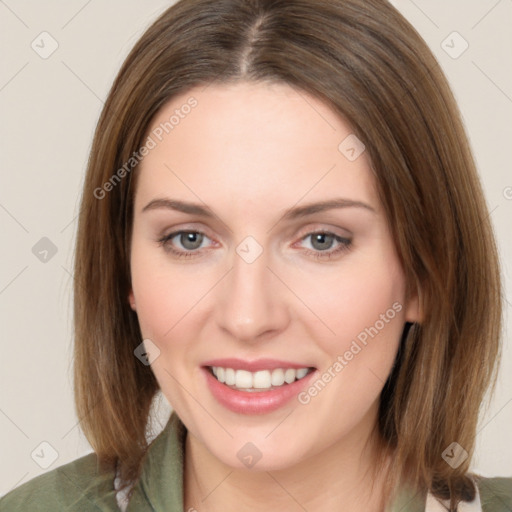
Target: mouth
(258,381)
(256,387)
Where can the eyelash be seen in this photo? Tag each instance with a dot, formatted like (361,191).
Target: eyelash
(345,245)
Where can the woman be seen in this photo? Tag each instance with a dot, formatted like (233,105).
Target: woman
(282,229)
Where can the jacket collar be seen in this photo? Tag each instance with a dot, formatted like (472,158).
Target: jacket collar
(160,486)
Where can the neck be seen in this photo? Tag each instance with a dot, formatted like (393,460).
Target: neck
(343,477)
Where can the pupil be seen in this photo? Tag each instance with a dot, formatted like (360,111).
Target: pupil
(324,240)
(191,240)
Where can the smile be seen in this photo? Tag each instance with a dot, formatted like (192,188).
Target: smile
(263,380)
(255,387)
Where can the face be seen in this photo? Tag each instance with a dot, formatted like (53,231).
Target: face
(260,253)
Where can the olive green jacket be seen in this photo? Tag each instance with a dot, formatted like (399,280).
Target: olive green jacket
(80,486)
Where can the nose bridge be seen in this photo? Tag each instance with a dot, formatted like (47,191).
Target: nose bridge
(251,304)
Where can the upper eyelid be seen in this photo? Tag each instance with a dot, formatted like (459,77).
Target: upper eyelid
(169,233)
(316,227)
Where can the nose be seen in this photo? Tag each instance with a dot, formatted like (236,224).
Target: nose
(251,304)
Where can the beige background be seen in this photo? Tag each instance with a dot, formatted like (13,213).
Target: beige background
(49,109)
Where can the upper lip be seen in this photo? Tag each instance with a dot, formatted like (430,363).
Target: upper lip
(255,365)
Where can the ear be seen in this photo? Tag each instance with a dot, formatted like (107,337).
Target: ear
(413,309)
(131,300)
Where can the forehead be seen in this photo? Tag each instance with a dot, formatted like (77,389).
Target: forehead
(252,142)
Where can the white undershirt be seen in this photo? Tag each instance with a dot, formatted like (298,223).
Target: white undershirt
(434,505)
(122,500)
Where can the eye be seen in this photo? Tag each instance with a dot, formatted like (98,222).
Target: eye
(322,243)
(190,242)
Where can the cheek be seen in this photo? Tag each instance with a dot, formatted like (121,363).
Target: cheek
(156,295)
(362,318)
(362,296)
(363,306)
(162,304)
(167,296)
(372,302)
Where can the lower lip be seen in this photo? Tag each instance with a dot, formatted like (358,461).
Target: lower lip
(255,402)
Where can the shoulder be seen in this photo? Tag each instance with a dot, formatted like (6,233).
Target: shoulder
(495,494)
(78,485)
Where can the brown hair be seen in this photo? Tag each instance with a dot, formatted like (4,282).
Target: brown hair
(369,65)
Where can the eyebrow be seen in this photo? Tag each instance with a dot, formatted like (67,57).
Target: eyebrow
(290,214)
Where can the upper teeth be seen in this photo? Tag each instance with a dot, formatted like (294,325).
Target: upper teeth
(263,379)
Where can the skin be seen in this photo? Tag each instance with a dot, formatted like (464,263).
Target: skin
(249,152)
